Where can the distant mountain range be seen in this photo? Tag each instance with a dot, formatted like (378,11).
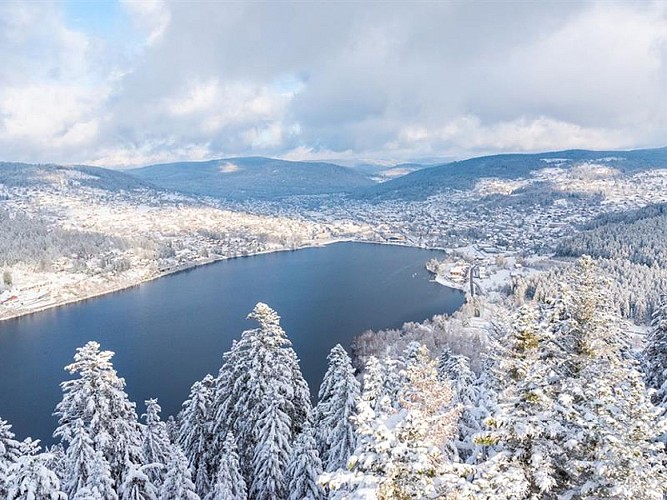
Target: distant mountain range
(24,174)
(254,177)
(265,178)
(272,179)
(463,174)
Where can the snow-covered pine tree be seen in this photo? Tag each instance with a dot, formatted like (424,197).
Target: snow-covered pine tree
(525,424)
(177,483)
(338,397)
(575,419)
(456,368)
(85,467)
(229,483)
(98,399)
(87,494)
(304,468)
(156,445)
(10,452)
(432,400)
(173,430)
(260,368)
(400,449)
(373,387)
(392,380)
(30,478)
(99,480)
(58,460)
(655,353)
(617,454)
(272,450)
(443,362)
(195,436)
(137,485)
(202,479)
(468,394)
(411,353)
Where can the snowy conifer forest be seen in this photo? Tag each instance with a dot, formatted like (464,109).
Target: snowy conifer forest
(559,405)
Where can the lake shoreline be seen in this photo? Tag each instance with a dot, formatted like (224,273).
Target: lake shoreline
(120,287)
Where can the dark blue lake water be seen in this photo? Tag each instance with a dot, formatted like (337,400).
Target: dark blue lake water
(171,332)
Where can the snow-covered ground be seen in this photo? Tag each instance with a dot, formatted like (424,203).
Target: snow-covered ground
(153,234)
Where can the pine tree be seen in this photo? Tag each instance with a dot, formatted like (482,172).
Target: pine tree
(338,397)
(58,461)
(202,480)
(618,455)
(10,452)
(195,436)
(173,429)
(304,468)
(400,449)
(229,483)
(87,494)
(526,424)
(468,394)
(575,420)
(100,481)
(98,399)
(429,398)
(373,388)
(79,458)
(156,446)
(411,353)
(177,483)
(392,380)
(137,485)
(261,364)
(443,362)
(655,353)
(271,453)
(86,468)
(31,447)
(30,479)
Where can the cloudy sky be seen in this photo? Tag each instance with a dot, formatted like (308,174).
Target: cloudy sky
(135,82)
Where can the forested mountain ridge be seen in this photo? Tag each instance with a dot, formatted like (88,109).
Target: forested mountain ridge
(26,175)
(465,173)
(153,230)
(272,179)
(631,248)
(253,177)
(639,236)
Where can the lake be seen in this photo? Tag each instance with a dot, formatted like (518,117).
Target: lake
(170,332)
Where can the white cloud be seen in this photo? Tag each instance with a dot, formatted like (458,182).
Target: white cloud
(152,16)
(149,153)
(217,105)
(51,97)
(332,80)
(50,114)
(468,133)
